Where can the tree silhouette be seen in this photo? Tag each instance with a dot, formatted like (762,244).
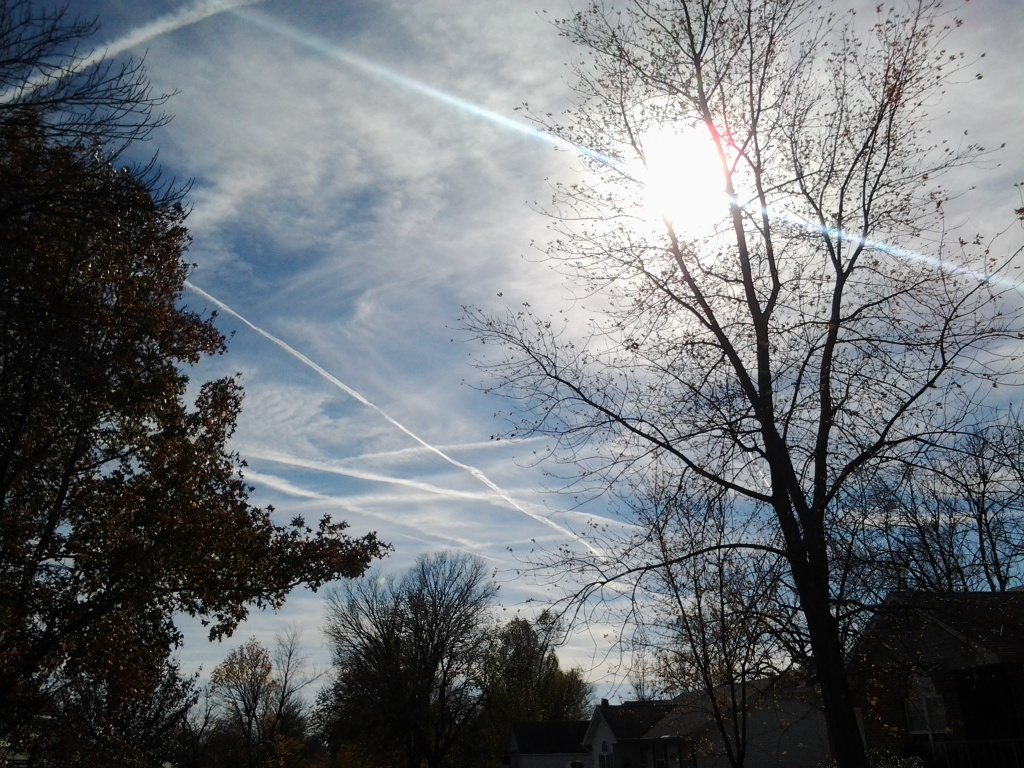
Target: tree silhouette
(825,330)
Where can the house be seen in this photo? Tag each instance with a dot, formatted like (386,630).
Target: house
(614,734)
(783,726)
(936,675)
(941,675)
(549,745)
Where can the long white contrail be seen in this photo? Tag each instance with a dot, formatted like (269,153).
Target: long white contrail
(356,396)
(347,470)
(283,486)
(360,474)
(171,22)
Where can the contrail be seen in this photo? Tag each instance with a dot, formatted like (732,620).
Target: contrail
(478,445)
(359,474)
(343,469)
(340,55)
(358,397)
(171,22)
(283,486)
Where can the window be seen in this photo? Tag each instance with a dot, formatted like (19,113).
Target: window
(926,711)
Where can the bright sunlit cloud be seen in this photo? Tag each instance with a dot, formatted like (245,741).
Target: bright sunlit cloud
(279,140)
(682,179)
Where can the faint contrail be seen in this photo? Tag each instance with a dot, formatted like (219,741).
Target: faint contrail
(171,22)
(343,56)
(355,395)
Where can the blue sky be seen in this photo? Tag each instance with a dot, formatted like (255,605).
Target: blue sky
(360,174)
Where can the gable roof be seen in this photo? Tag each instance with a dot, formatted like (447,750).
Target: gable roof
(630,720)
(690,715)
(967,628)
(551,738)
(692,711)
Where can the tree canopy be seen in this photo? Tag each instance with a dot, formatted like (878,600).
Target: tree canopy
(824,335)
(524,682)
(258,706)
(423,674)
(121,504)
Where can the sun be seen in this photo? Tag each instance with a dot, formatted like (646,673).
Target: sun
(682,179)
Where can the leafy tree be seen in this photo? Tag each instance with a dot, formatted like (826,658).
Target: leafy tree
(120,503)
(524,682)
(408,657)
(95,719)
(245,689)
(805,346)
(260,716)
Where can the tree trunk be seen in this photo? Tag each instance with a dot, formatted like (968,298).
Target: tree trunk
(844,737)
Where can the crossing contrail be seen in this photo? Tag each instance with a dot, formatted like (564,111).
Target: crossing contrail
(391,420)
(360,474)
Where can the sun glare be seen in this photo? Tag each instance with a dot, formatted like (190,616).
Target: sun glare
(682,180)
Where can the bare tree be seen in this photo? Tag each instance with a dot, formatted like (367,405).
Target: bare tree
(721,639)
(722,629)
(408,659)
(47,82)
(955,524)
(827,329)
(197,727)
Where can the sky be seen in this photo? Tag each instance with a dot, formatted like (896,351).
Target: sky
(359,174)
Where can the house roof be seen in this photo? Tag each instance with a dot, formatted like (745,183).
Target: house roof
(692,712)
(972,627)
(630,720)
(549,738)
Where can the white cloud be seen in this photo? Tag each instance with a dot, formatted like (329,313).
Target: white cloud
(350,216)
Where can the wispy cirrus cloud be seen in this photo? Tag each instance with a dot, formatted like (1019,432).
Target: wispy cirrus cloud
(332,379)
(350,195)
